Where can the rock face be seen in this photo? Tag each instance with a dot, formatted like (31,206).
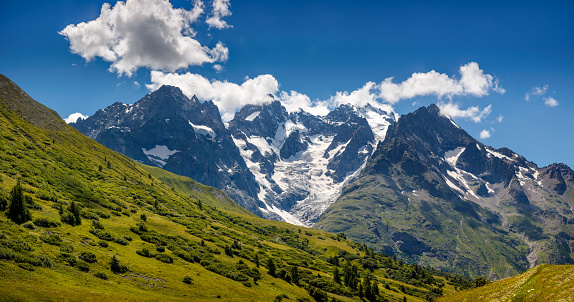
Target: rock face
(300,161)
(435,195)
(279,165)
(182,135)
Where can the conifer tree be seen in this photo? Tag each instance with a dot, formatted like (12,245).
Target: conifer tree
(271,267)
(18,210)
(256,260)
(294,275)
(336,276)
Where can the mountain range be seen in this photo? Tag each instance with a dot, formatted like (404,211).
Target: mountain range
(96,225)
(418,186)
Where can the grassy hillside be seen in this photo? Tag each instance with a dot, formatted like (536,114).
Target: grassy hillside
(187,186)
(542,283)
(103,227)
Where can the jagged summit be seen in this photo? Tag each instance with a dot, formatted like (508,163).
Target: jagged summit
(429,183)
(13,98)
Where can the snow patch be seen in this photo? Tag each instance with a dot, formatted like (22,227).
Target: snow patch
(499,155)
(203,130)
(252,116)
(159,154)
(451,156)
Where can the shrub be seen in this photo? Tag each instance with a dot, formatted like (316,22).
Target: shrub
(160,248)
(53,239)
(143,217)
(66,248)
(83,266)
(145,252)
(121,241)
(101,275)
(103,243)
(29,225)
(116,267)
(164,258)
(96,224)
(67,258)
(128,238)
(26,266)
(88,257)
(46,223)
(187,279)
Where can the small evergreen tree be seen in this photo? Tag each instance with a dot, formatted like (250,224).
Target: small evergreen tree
(3,202)
(200,204)
(18,210)
(143,217)
(271,267)
(256,260)
(295,275)
(336,276)
(116,267)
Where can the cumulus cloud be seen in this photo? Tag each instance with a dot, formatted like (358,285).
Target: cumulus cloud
(229,97)
(295,101)
(500,118)
(143,33)
(550,102)
(484,134)
(473,113)
(72,118)
(220,10)
(360,97)
(536,91)
(473,81)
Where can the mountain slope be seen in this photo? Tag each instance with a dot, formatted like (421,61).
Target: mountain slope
(181,135)
(437,196)
(542,283)
(279,165)
(90,205)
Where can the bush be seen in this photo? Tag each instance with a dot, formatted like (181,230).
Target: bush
(164,258)
(83,266)
(101,275)
(53,239)
(145,252)
(121,241)
(96,224)
(103,243)
(26,266)
(66,248)
(29,225)
(89,257)
(187,279)
(46,223)
(116,267)
(128,238)
(67,258)
(160,248)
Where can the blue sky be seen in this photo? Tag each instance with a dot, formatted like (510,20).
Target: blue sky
(321,52)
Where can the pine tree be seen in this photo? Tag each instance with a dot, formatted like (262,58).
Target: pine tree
(256,260)
(3,203)
(200,204)
(336,276)
(271,267)
(18,211)
(295,275)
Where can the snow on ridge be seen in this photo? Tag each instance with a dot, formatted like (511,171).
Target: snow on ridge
(159,154)
(452,156)
(499,155)
(252,116)
(203,130)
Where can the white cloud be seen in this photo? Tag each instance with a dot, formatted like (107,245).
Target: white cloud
(500,118)
(136,84)
(72,118)
(536,91)
(220,10)
(218,68)
(360,97)
(229,97)
(294,101)
(143,33)
(550,102)
(484,134)
(473,82)
(473,113)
